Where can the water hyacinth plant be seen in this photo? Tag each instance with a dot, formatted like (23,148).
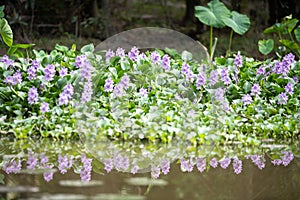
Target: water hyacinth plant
(148,96)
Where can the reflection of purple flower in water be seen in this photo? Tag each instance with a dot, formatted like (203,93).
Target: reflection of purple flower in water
(135,167)
(31,161)
(225,162)
(277,162)
(64,163)
(201,164)
(32,95)
(155,171)
(48,176)
(219,94)
(108,164)
(187,165)
(237,165)
(12,166)
(286,158)
(213,162)
(85,172)
(121,162)
(165,166)
(259,161)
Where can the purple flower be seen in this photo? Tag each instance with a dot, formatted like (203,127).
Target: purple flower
(121,162)
(66,95)
(85,172)
(86,70)
(246,99)
(143,92)
(31,161)
(109,54)
(165,166)
(237,165)
(63,72)
(289,88)
(282,98)
(31,72)
(80,60)
(277,162)
(9,80)
(64,163)
(133,54)
(200,80)
(225,77)
(213,78)
(155,171)
(12,166)
(287,61)
(238,60)
(86,95)
(109,85)
(185,69)
(166,62)
(49,72)
(118,90)
(261,71)
(44,159)
(120,52)
(278,68)
(155,57)
(187,165)
(255,90)
(32,95)
(125,82)
(35,64)
(108,164)
(8,62)
(219,94)
(201,164)
(135,167)
(190,76)
(224,163)
(295,78)
(17,77)
(44,107)
(286,158)
(213,163)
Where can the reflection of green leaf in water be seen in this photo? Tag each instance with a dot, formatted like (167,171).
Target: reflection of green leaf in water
(145,181)
(2,179)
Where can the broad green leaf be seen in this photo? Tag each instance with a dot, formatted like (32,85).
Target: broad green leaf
(290,44)
(265,46)
(23,46)
(87,48)
(61,48)
(6,32)
(276,28)
(213,14)
(1,11)
(238,22)
(290,24)
(297,33)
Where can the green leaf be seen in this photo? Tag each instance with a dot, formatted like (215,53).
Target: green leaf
(87,48)
(238,22)
(265,46)
(1,11)
(290,44)
(22,46)
(213,14)
(290,24)
(6,32)
(276,28)
(297,33)
(61,48)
